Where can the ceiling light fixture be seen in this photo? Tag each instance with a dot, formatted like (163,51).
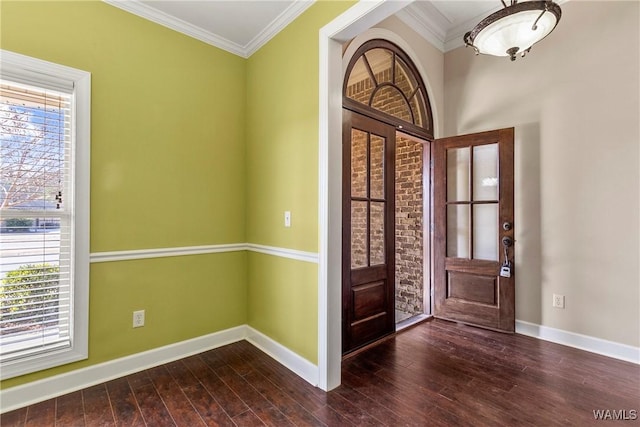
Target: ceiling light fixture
(514,29)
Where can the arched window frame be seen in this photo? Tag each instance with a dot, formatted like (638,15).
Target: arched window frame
(424,131)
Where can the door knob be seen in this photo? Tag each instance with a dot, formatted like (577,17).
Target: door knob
(507,241)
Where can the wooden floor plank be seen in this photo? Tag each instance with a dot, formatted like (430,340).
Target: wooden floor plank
(178,405)
(228,400)
(41,414)
(70,410)
(97,407)
(14,418)
(154,412)
(204,403)
(330,417)
(247,419)
(125,407)
(385,395)
(284,403)
(260,406)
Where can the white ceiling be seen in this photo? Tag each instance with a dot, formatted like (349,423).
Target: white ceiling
(243,26)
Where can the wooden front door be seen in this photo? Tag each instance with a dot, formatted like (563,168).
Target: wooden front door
(473,215)
(368,217)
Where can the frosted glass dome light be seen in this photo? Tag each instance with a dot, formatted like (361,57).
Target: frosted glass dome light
(514,29)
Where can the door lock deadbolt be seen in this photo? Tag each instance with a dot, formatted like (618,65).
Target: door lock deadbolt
(507,226)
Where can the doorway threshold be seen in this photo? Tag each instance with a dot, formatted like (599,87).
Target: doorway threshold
(411,321)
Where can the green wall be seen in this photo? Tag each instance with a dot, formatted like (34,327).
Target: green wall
(167,170)
(282,133)
(282,175)
(283,301)
(191,146)
(167,142)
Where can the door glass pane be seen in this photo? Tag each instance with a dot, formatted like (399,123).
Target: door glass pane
(380,62)
(358,234)
(458,165)
(458,233)
(390,100)
(485,231)
(377,255)
(485,172)
(405,79)
(358,163)
(377,167)
(417,106)
(360,85)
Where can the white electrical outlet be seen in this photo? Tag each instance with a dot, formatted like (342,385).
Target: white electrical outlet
(138,318)
(558,301)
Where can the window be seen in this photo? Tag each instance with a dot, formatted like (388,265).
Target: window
(44,214)
(383,83)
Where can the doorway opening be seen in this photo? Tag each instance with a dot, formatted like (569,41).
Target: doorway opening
(387,127)
(412,184)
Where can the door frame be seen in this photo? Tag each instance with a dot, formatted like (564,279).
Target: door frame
(349,26)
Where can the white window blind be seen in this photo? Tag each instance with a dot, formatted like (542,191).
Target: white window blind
(35,235)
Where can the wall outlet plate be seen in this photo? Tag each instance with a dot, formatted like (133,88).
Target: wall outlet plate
(558,301)
(138,318)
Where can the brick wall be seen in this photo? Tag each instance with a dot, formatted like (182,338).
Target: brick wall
(409,204)
(409,226)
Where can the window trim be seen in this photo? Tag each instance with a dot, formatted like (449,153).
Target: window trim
(47,74)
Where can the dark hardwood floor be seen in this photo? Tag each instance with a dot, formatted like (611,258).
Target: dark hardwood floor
(435,374)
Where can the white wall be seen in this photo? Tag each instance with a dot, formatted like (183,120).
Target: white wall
(574,102)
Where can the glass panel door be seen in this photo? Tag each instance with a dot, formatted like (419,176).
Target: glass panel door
(474,276)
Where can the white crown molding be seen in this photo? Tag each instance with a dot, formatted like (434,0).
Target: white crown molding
(583,342)
(294,10)
(129,255)
(152,14)
(425,25)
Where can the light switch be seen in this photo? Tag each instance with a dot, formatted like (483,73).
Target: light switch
(287,218)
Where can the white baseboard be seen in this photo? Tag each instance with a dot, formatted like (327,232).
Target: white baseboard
(47,388)
(58,385)
(293,361)
(583,342)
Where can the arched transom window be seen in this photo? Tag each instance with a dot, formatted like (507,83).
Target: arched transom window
(382,82)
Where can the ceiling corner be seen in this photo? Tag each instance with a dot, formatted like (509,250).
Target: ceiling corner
(428,23)
(270,31)
(147,12)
